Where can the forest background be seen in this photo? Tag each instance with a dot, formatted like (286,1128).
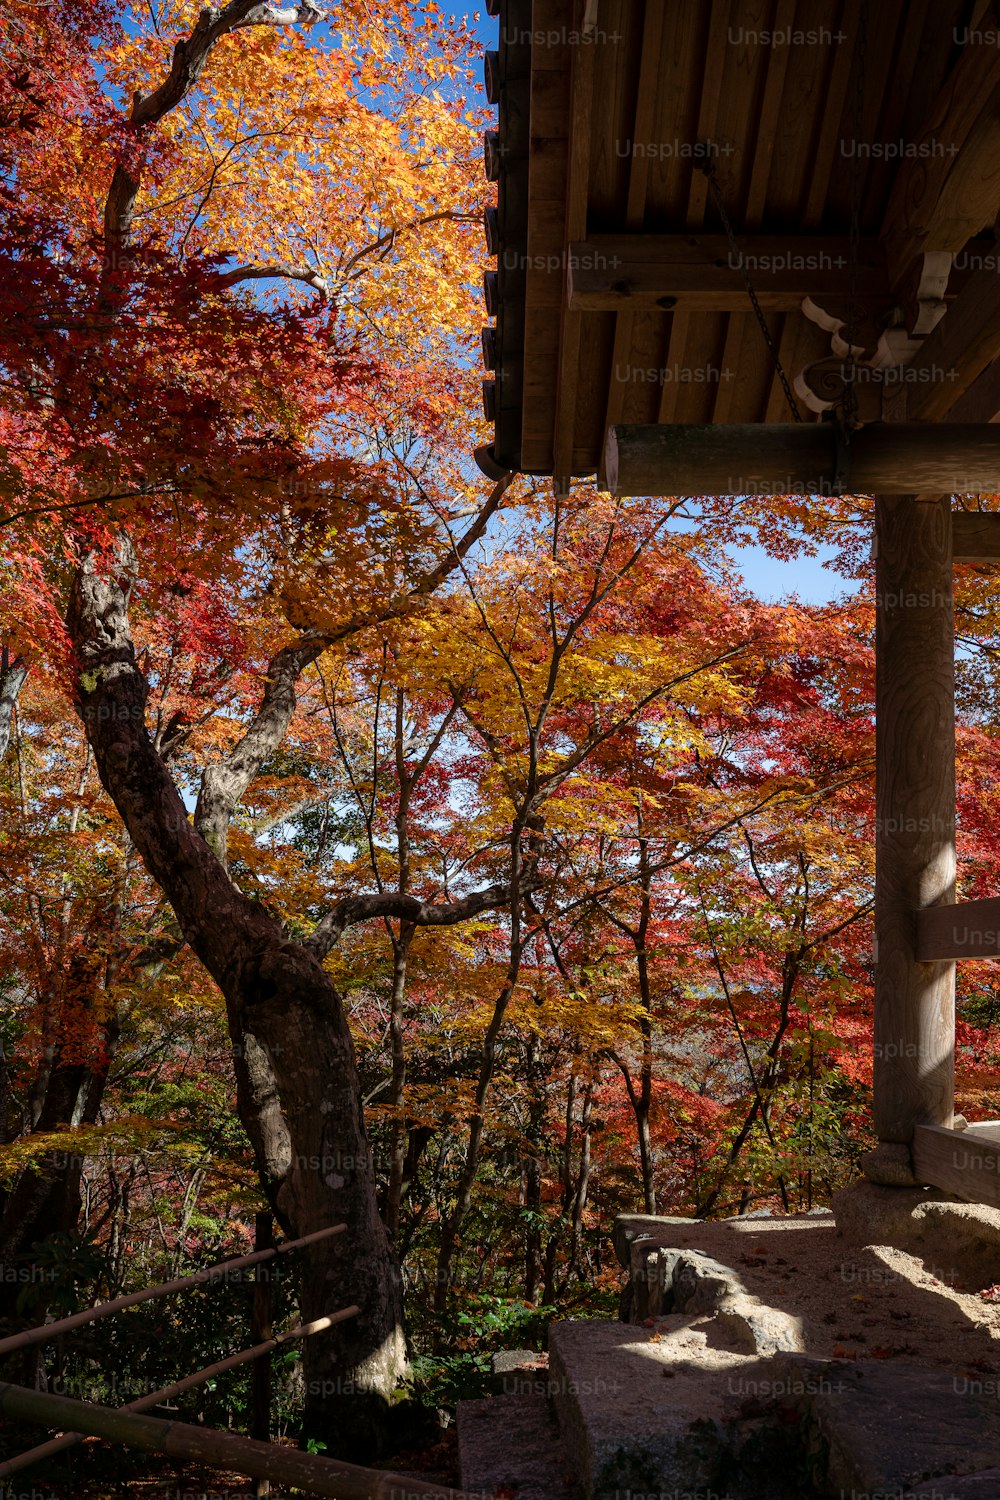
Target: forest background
(578,827)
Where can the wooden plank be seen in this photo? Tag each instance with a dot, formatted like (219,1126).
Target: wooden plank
(949,1160)
(831,133)
(577,185)
(976,536)
(677,101)
(645,105)
(642,128)
(797,458)
(965,929)
(619,272)
(669,393)
(948,188)
(769,119)
(726,388)
(794,330)
(709,94)
(914,1030)
(512,216)
(981,402)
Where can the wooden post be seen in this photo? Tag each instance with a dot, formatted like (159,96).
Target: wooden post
(260,1328)
(915,824)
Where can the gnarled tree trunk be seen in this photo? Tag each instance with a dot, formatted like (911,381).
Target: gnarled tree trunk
(297,1084)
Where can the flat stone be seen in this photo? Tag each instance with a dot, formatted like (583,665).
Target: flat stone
(519,1372)
(511,1445)
(629,1227)
(887,1428)
(643,1412)
(955,1240)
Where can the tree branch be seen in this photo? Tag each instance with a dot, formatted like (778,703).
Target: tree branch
(12,675)
(354,909)
(224,783)
(186,67)
(275,270)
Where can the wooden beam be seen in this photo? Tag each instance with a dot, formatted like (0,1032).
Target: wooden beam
(981,402)
(958,1161)
(976,536)
(948,185)
(577,184)
(699,272)
(769,120)
(965,929)
(218,1450)
(642,130)
(965,341)
(798,458)
(914,1033)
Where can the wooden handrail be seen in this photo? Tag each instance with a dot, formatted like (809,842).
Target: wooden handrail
(42,1334)
(222,1450)
(143,1403)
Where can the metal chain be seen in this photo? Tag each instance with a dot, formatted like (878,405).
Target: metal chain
(716,191)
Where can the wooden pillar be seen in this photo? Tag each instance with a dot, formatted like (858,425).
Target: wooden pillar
(915,823)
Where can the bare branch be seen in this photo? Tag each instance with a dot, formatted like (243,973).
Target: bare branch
(275,270)
(353,909)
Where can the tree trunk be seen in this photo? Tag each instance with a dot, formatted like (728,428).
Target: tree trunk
(67,1092)
(296,1072)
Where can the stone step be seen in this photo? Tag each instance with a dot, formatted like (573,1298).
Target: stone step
(651,1412)
(510,1447)
(896,1428)
(678,1408)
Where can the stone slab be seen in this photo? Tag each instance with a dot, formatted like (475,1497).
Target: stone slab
(511,1446)
(889,1428)
(940,1229)
(645,1412)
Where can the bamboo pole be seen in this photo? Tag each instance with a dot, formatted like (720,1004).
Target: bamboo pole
(47,1331)
(143,1403)
(221,1450)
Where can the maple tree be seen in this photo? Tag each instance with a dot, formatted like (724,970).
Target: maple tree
(524,848)
(168,399)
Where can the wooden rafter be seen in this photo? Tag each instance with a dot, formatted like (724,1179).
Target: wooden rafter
(700,272)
